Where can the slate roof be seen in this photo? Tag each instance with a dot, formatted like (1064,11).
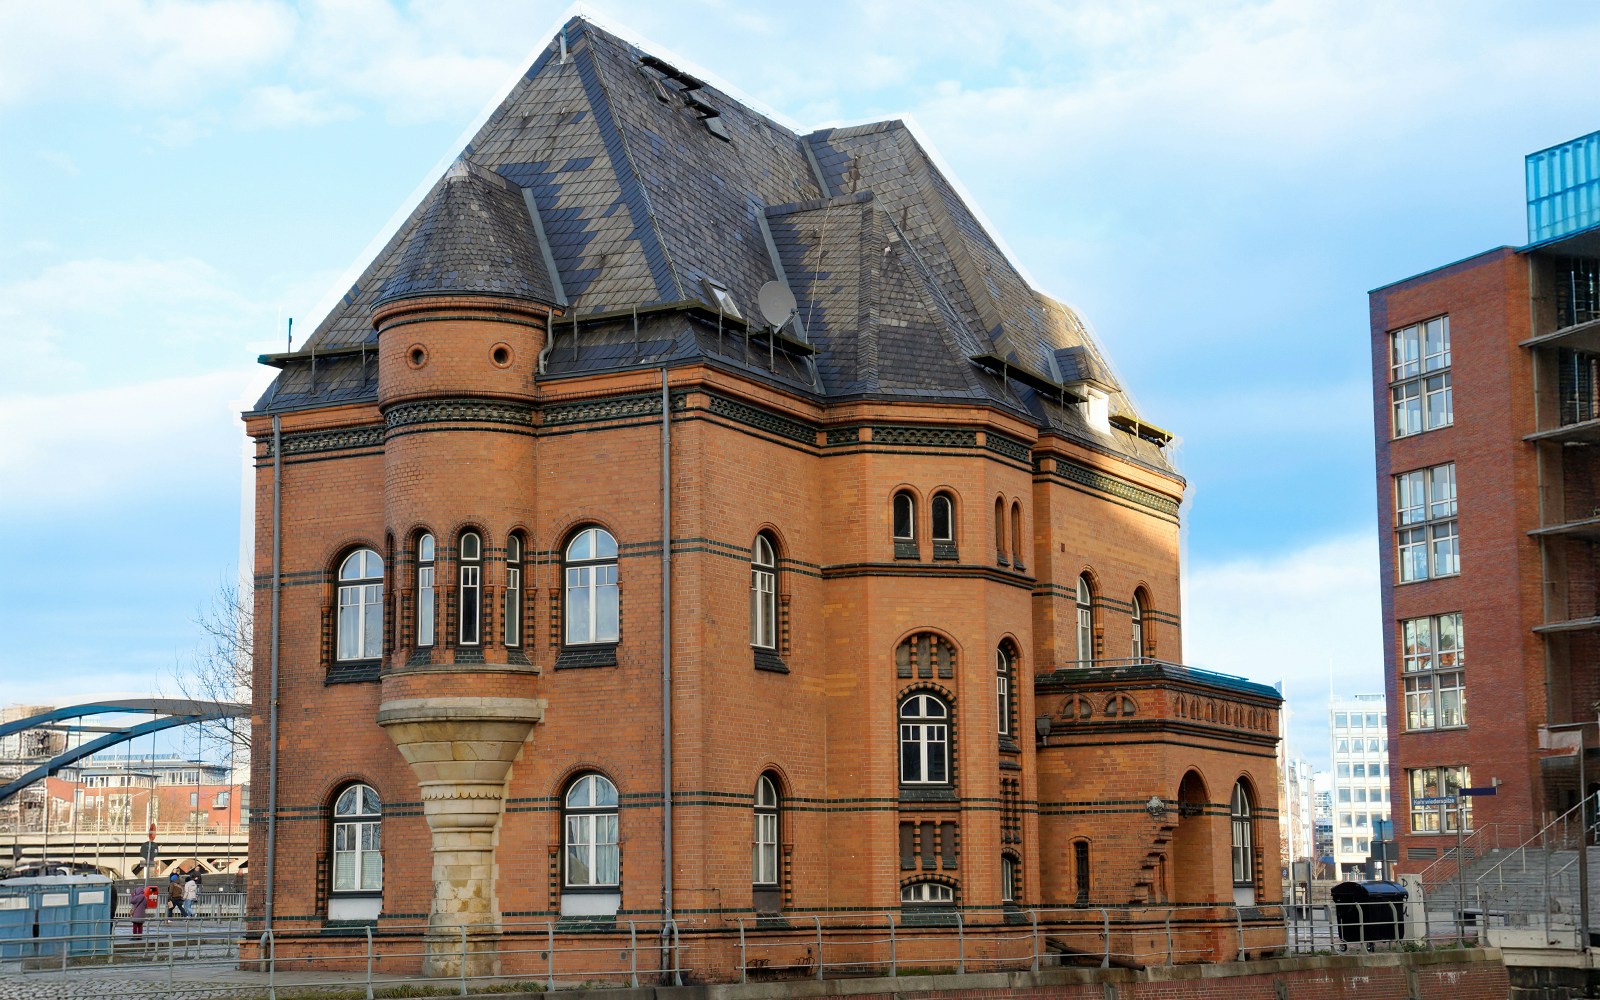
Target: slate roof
(649,186)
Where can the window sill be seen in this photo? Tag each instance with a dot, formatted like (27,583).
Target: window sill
(928,793)
(945,552)
(1009,745)
(600,654)
(469,654)
(1436,729)
(906,550)
(1427,579)
(353,672)
(768,660)
(420,657)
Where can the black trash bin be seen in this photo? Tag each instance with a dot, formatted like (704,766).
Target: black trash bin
(1369,911)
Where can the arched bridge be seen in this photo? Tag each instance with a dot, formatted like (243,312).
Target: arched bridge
(170,712)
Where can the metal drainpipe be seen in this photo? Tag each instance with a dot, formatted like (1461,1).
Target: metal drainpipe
(272,711)
(666,650)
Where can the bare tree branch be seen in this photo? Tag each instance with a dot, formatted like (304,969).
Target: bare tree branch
(219,668)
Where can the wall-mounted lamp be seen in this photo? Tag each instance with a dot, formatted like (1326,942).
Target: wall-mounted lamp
(1041,728)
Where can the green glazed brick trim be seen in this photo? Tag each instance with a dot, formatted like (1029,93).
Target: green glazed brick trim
(455,411)
(927,437)
(762,420)
(1082,475)
(1008,447)
(343,439)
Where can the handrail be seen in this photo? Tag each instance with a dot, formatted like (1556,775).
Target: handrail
(1564,819)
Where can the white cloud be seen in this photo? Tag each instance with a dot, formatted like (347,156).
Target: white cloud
(120,445)
(137,52)
(1308,617)
(279,106)
(154,316)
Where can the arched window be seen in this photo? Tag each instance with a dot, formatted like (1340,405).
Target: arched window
(1016,534)
(591,833)
(944,518)
(361,606)
(1000,531)
(1138,627)
(425,596)
(591,570)
(1008,879)
(1085,620)
(513,612)
(357,854)
(927,894)
(1002,687)
(1240,811)
(905,517)
(763,595)
(1080,859)
(764,853)
(470,598)
(924,740)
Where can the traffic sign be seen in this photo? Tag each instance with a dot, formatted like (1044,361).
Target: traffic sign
(1485,790)
(150,852)
(1435,800)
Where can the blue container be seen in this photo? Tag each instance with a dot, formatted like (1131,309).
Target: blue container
(16,923)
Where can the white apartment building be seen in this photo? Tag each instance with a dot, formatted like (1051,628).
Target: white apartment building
(1360,751)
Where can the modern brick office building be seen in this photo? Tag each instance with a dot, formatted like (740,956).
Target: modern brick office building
(897,570)
(1484,392)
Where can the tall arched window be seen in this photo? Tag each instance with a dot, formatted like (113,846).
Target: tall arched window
(764,852)
(591,571)
(357,854)
(763,594)
(590,813)
(1240,812)
(924,740)
(1138,627)
(470,598)
(1085,620)
(1016,534)
(1008,879)
(1000,531)
(361,606)
(905,517)
(513,612)
(944,518)
(1002,687)
(425,595)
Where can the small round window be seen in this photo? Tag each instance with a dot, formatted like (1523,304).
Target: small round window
(416,355)
(501,355)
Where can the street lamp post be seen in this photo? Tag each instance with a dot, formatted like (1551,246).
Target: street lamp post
(1583,827)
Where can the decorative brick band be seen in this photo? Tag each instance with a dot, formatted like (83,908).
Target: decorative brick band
(456,411)
(762,420)
(1084,476)
(343,439)
(927,437)
(612,408)
(1009,447)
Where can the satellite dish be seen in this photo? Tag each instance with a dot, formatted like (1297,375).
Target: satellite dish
(776,302)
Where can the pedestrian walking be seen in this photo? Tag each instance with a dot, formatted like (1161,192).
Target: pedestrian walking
(191,893)
(174,894)
(138,905)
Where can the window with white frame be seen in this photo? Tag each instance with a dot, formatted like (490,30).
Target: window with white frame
(1432,668)
(924,740)
(469,599)
(361,606)
(763,594)
(764,849)
(513,612)
(425,593)
(1002,688)
(927,894)
(1008,879)
(1419,377)
(1137,615)
(358,840)
(1427,783)
(1426,538)
(1239,812)
(905,517)
(943,512)
(591,571)
(590,813)
(1085,620)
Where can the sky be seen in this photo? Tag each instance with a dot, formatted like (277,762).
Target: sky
(1214,186)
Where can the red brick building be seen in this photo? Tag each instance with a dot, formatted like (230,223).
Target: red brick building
(1484,394)
(896,565)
